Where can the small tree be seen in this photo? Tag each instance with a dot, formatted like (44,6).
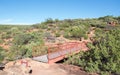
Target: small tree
(49,20)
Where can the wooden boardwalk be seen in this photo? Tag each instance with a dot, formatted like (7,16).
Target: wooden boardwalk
(58,52)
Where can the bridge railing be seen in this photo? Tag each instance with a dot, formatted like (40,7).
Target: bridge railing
(61,50)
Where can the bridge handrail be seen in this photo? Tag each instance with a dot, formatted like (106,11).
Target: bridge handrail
(64,47)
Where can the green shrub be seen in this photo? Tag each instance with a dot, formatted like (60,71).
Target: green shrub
(23,44)
(49,20)
(22,39)
(2,54)
(57,34)
(104,56)
(6,36)
(1,41)
(76,32)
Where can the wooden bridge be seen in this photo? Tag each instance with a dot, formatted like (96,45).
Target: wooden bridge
(58,52)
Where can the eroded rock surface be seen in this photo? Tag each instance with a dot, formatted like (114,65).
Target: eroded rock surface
(39,68)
